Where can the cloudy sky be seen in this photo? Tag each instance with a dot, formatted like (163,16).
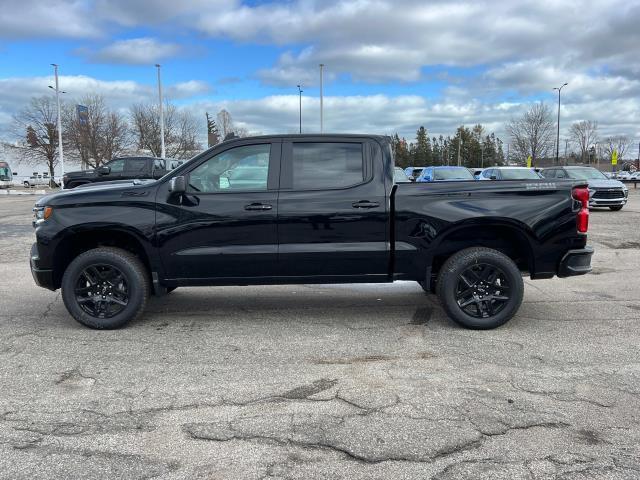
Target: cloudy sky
(391,65)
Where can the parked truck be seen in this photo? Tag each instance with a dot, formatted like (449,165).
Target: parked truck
(123,168)
(307,209)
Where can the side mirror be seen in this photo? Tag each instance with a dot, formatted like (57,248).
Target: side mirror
(15,174)
(178,184)
(493,177)
(104,170)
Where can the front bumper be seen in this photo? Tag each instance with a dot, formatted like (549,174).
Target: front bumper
(607,202)
(575,262)
(42,277)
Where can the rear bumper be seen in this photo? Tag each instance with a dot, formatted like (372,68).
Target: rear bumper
(575,262)
(42,277)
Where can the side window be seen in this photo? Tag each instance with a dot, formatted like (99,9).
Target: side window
(327,165)
(243,168)
(116,166)
(487,173)
(159,164)
(550,173)
(135,165)
(561,174)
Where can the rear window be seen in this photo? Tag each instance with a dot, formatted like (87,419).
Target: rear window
(519,174)
(327,165)
(452,174)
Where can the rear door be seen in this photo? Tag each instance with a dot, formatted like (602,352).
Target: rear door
(332,210)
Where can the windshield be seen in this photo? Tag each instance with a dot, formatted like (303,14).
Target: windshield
(519,174)
(586,173)
(5,173)
(452,174)
(399,175)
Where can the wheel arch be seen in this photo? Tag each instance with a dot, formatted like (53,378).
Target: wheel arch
(73,243)
(511,238)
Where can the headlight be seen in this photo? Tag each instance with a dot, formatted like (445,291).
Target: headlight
(40,214)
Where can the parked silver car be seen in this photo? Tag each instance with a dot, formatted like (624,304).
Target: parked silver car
(603,192)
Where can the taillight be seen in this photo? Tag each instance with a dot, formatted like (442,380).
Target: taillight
(582,195)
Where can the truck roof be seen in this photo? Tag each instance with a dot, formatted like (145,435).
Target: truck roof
(319,136)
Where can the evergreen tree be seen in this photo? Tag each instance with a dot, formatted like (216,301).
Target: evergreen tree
(422,154)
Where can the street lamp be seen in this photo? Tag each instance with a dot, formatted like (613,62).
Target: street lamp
(321,99)
(300,97)
(58,92)
(162,150)
(558,135)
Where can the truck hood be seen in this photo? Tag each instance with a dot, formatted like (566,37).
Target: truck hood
(136,181)
(80,173)
(94,190)
(605,184)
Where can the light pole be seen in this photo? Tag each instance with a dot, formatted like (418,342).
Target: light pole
(57,90)
(321,100)
(300,109)
(558,135)
(162,150)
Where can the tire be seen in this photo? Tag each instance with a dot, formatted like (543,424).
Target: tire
(616,208)
(117,274)
(480,288)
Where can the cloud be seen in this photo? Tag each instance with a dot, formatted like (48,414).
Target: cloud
(16,92)
(134,51)
(21,19)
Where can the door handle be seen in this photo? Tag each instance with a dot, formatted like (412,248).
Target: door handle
(258,206)
(365,204)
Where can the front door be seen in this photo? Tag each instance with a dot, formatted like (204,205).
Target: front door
(226,226)
(332,211)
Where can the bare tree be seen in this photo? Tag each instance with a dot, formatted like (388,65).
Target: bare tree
(532,133)
(584,133)
(36,124)
(99,135)
(180,130)
(619,143)
(227,127)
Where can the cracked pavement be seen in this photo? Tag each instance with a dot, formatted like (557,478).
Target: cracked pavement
(344,381)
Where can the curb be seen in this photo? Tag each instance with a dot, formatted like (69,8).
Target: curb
(22,192)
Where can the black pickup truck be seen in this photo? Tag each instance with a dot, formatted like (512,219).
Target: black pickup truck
(306,209)
(123,168)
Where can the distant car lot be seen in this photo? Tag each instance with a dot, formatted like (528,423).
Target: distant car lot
(346,381)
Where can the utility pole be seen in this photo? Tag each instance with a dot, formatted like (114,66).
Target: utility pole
(508,146)
(321,100)
(558,135)
(459,142)
(57,90)
(300,109)
(162,150)
(566,145)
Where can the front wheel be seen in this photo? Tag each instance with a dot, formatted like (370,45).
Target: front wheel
(616,208)
(105,288)
(480,288)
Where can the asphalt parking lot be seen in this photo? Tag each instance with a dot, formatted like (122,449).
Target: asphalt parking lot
(346,381)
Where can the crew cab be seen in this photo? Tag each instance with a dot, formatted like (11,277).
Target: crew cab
(123,168)
(298,209)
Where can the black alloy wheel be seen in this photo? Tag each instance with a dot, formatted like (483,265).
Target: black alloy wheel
(102,291)
(482,290)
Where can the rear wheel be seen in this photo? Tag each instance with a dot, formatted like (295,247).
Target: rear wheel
(480,288)
(616,208)
(105,288)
